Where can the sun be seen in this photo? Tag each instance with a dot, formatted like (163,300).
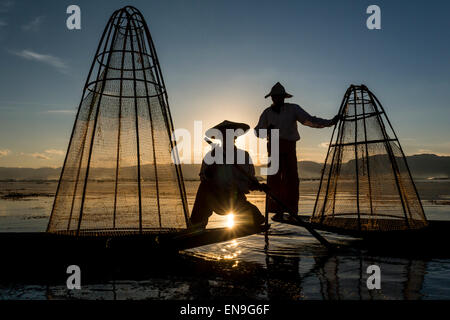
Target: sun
(230,220)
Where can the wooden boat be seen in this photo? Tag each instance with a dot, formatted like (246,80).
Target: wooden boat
(45,257)
(41,244)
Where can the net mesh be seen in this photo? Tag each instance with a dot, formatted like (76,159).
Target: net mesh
(120,173)
(366,184)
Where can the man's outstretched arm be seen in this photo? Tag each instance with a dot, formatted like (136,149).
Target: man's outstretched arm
(311,121)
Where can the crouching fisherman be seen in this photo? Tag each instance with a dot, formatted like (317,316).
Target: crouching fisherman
(225,179)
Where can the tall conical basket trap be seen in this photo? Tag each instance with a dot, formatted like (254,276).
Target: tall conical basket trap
(121,174)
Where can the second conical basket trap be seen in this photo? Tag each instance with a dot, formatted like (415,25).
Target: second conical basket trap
(366,184)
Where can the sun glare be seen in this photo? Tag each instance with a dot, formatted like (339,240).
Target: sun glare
(230,220)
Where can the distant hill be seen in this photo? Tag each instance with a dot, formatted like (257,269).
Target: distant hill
(29,174)
(429,165)
(309,169)
(421,165)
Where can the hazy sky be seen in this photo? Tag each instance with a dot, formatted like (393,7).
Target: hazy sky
(219,59)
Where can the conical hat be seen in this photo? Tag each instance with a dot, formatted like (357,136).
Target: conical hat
(278,90)
(224,125)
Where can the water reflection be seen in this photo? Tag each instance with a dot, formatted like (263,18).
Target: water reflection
(329,278)
(345,278)
(290,276)
(306,272)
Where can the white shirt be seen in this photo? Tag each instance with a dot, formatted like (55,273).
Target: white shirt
(286,121)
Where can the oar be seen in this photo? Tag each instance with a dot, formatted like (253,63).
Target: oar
(297,219)
(263,187)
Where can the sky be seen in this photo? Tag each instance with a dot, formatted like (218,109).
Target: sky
(219,59)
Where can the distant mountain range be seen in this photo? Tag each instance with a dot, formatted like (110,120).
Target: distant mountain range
(429,166)
(421,165)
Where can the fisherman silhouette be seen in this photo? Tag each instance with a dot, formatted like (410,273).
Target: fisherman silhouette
(284,116)
(223,186)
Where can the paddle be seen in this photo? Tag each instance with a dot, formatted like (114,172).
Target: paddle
(263,187)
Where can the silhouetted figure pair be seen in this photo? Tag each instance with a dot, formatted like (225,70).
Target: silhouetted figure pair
(223,186)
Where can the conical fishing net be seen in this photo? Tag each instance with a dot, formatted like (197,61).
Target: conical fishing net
(119,175)
(366,184)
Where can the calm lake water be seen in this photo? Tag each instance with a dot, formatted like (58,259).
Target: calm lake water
(286,264)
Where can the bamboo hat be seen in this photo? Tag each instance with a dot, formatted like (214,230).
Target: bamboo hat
(278,90)
(224,125)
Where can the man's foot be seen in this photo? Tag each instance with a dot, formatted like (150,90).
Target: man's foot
(278,217)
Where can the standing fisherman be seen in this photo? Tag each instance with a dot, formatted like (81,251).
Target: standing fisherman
(284,116)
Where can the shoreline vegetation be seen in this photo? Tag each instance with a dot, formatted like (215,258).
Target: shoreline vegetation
(423,166)
(431,191)
(19,196)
